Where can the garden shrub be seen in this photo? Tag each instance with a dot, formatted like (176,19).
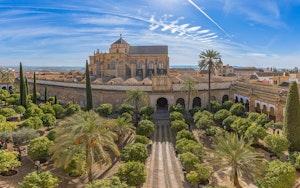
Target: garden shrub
(178,125)
(105,110)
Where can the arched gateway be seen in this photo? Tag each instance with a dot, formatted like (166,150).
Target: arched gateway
(162,104)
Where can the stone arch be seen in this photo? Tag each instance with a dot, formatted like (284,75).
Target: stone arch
(225,98)
(257,108)
(272,115)
(196,102)
(247,105)
(162,103)
(264,109)
(242,101)
(236,99)
(213,98)
(180,101)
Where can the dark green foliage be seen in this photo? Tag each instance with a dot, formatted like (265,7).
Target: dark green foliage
(26,87)
(33,112)
(227,105)
(185,134)
(184,145)
(59,110)
(200,174)
(237,109)
(23,99)
(240,125)
(262,120)
(278,175)
(33,122)
(178,125)
(132,173)
(134,152)
(177,108)
(294,159)
(48,119)
(189,160)
(141,139)
(34,97)
(51,100)
(205,122)
(127,116)
(105,110)
(291,127)
(47,108)
(252,116)
(194,110)
(215,106)
(126,108)
(145,127)
(147,112)
(228,121)
(55,100)
(72,108)
(256,132)
(221,115)
(176,116)
(89,95)
(77,165)
(45,95)
(51,135)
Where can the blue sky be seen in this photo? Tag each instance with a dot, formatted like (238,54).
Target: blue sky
(65,32)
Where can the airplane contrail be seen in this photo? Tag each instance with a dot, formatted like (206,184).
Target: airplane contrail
(208,17)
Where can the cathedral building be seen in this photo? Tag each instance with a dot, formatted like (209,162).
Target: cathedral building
(126,61)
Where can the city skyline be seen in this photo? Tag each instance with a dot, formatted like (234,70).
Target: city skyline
(246,33)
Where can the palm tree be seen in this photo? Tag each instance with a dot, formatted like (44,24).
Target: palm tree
(234,153)
(123,128)
(92,134)
(138,98)
(209,60)
(189,86)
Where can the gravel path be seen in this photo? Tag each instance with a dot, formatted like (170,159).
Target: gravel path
(163,168)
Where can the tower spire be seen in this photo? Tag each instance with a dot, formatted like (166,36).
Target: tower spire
(121,36)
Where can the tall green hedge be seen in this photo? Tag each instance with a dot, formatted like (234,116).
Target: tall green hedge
(291,128)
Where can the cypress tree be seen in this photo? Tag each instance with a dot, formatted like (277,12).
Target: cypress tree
(26,87)
(89,96)
(22,88)
(46,92)
(291,128)
(34,89)
(55,100)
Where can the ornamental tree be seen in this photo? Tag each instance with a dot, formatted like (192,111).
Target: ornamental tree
(178,125)
(48,119)
(279,175)
(39,148)
(145,127)
(185,134)
(105,110)
(132,173)
(221,115)
(291,128)
(277,144)
(8,160)
(237,109)
(135,152)
(40,180)
(107,183)
(255,132)
(189,160)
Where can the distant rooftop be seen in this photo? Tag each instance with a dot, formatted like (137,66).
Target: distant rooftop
(148,50)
